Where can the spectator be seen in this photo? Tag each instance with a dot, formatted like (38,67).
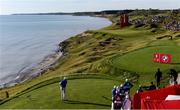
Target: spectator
(152,86)
(139,89)
(158,76)
(174,74)
(63,84)
(127,85)
(127,103)
(117,89)
(122,91)
(118,101)
(113,92)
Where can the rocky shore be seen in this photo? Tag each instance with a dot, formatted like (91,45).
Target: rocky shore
(30,72)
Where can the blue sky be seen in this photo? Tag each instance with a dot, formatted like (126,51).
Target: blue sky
(35,6)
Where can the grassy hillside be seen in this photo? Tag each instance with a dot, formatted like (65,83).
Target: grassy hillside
(94,61)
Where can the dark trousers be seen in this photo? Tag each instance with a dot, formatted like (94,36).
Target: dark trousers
(158,82)
(175,78)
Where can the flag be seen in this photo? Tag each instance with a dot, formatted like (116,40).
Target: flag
(162,58)
(165,58)
(156,57)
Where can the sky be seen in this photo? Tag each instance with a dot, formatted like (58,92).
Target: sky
(43,6)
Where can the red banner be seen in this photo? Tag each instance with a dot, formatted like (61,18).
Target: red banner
(162,58)
(159,104)
(155,99)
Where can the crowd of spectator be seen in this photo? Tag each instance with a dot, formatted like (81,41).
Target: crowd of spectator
(173,25)
(166,21)
(121,96)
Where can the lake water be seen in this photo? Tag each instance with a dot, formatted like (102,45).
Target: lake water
(26,39)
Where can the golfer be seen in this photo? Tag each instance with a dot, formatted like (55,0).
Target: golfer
(63,84)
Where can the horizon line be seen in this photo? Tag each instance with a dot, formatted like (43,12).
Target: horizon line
(90,11)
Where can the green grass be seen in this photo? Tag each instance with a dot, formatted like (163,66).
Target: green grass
(141,60)
(81,93)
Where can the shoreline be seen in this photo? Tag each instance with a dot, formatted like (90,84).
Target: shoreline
(47,63)
(30,72)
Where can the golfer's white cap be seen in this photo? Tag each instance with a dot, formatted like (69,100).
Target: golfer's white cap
(114,86)
(126,80)
(65,78)
(121,85)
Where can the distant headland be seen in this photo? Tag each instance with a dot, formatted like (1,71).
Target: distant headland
(96,12)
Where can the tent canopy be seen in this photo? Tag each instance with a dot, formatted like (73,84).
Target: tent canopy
(155,99)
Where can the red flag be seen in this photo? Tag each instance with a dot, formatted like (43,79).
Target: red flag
(162,58)
(165,58)
(156,57)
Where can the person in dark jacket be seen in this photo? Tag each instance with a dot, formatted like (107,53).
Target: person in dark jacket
(117,101)
(174,74)
(158,76)
(152,86)
(122,90)
(113,92)
(63,84)
(127,85)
